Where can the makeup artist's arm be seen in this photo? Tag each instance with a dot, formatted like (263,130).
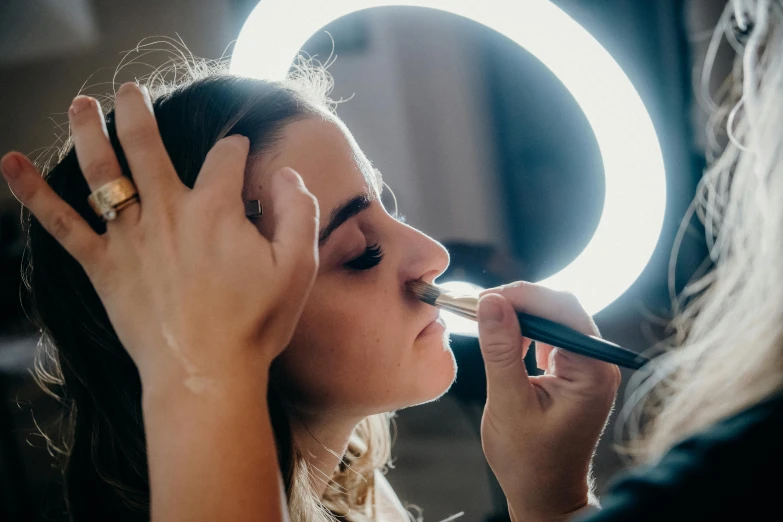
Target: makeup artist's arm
(198,297)
(539,433)
(210,446)
(212,454)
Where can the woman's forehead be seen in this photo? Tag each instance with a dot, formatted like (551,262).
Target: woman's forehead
(324,152)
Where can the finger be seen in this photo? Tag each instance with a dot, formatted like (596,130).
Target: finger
(223,171)
(561,307)
(564,308)
(577,368)
(294,250)
(525,345)
(294,241)
(501,346)
(542,356)
(55,215)
(96,156)
(148,160)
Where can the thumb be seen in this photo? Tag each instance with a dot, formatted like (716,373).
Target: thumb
(502,348)
(294,244)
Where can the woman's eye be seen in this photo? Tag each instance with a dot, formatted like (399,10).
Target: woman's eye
(369,259)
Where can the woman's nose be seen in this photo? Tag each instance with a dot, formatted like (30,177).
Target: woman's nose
(426,258)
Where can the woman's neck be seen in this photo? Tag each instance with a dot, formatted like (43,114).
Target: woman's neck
(322,440)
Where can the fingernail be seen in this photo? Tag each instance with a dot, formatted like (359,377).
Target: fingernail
(11,167)
(126,87)
(240,137)
(490,313)
(79,104)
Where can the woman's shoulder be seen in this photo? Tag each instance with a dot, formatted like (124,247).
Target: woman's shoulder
(390,509)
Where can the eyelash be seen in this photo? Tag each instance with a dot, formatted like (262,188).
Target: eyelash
(371,257)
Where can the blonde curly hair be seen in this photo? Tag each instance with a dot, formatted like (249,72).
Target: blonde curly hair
(727,350)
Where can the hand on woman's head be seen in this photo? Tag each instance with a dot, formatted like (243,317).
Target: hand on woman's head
(168,268)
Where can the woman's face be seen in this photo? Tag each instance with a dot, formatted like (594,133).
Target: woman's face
(363,345)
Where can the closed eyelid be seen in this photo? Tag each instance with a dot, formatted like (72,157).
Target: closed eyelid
(344,212)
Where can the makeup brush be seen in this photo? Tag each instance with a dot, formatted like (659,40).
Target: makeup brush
(533,327)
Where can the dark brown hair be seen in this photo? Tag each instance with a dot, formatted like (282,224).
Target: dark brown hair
(81,360)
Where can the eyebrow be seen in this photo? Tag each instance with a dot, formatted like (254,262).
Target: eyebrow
(343,213)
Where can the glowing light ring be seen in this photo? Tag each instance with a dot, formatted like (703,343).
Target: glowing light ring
(633,165)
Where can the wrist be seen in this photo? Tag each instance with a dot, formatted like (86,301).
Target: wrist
(173,385)
(201,369)
(527,506)
(210,441)
(519,515)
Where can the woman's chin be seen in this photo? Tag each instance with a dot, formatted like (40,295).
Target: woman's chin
(437,376)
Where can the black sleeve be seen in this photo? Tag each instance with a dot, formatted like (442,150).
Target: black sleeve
(732,471)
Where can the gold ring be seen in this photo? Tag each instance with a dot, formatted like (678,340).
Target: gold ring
(108,199)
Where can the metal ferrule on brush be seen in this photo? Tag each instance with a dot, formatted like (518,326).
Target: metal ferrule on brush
(462,305)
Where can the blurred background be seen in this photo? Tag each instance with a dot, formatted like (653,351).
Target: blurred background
(484,148)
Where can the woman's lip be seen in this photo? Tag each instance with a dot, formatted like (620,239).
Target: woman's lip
(437,326)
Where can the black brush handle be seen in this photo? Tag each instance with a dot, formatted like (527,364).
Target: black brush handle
(550,332)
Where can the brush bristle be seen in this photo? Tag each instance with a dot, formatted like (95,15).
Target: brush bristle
(424,291)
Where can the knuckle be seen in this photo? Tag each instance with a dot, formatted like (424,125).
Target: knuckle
(162,220)
(201,203)
(60,226)
(493,338)
(570,306)
(308,207)
(494,342)
(569,299)
(169,217)
(517,284)
(560,309)
(306,201)
(517,288)
(100,169)
(496,352)
(515,292)
(137,136)
(560,357)
(139,235)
